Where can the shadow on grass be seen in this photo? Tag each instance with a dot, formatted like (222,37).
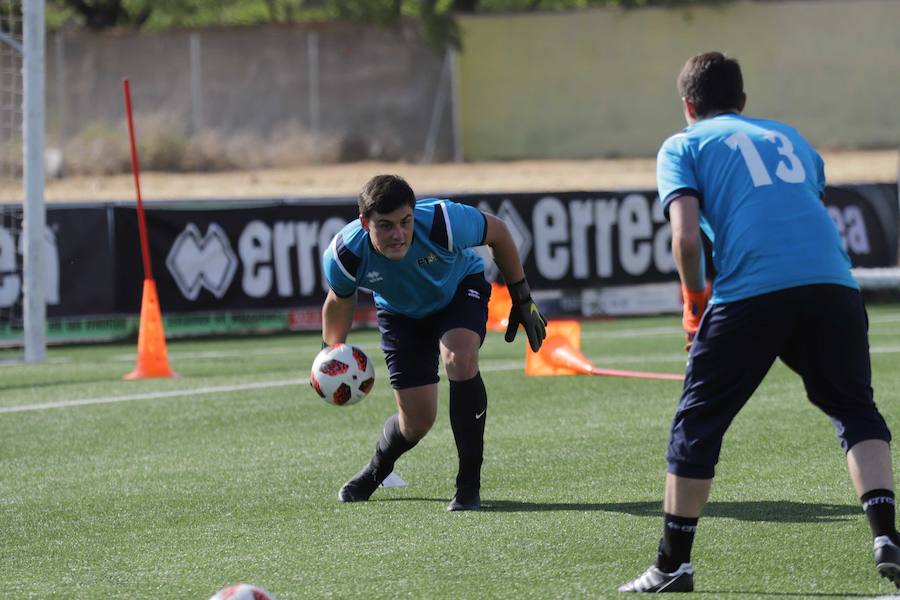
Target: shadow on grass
(717,593)
(772,511)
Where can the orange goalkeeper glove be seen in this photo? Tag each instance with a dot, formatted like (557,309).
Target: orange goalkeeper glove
(694,307)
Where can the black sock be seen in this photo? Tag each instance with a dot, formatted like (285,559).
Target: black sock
(389,448)
(468,412)
(879,508)
(676,542)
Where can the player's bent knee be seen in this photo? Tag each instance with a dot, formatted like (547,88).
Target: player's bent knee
(416,430)
(415,425)
(461,366)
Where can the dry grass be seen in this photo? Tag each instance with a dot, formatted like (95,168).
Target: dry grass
(102,149)
(449,178)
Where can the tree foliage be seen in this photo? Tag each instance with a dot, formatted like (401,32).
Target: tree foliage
(436,17)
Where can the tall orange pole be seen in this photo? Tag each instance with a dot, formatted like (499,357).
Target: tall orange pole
(135,168)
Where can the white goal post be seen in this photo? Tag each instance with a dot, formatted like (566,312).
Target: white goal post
(23,35)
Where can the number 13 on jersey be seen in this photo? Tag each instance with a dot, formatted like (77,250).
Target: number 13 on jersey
(791,171)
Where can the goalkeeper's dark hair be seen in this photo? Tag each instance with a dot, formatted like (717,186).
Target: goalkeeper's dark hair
(712,82)
(384,194)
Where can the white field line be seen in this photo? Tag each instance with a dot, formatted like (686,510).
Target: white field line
(280,350)
(219,389)
(634,332)
(215,354)
(50,361)
(500,366)
(884,349)
(153,395)
(618,333)
(675,330)
(885,319)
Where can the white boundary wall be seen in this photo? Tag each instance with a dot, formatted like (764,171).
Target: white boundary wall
(600,83)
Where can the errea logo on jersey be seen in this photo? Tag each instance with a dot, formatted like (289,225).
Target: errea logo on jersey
(427,260)
(374,277)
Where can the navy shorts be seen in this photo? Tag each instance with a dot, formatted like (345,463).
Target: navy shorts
(819,331)
(412,346)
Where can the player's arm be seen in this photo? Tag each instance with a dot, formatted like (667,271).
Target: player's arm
(687,245)
(337,317)
(506,255)
(524,311)
(687,250)
(339,267)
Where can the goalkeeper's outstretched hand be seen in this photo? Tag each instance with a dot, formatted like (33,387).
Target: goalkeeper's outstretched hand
(694,307)
(526,312)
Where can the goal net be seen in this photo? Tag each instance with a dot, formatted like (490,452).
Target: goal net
(11,185)
(22,217)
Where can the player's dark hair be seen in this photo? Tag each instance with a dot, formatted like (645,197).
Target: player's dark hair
(712,82)
(384,194)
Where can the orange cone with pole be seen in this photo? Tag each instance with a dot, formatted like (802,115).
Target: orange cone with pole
(152,357)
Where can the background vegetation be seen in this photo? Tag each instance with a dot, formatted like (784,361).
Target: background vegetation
(436,16)
(160,14)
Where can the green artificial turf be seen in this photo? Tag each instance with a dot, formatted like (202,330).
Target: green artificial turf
(229,473)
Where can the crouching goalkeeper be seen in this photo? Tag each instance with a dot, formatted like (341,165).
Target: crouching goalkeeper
(432,300)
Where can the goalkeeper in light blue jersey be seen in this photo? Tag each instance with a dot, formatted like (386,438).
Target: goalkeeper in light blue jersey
(431,298)
(782,289)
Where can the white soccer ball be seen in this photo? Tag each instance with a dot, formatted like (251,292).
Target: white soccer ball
(243,591)
(342,374)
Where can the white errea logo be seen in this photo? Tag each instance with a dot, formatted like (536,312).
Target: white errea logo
(198,261)
(877,500)
(680,527)
(374,277)
(473,294)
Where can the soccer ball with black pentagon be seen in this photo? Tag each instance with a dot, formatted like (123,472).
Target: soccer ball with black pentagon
(342,374)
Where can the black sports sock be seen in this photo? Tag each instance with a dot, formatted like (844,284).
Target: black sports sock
(676,542)
(468,412)
(879,508)
(390,446)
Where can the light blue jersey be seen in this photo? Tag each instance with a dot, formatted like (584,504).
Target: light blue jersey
(425,280)
(760,186)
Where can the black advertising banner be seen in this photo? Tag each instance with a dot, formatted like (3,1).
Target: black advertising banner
(258,257)
(83,263)
(77,262)
(264,256)
(268,256)
(576,239)
(867,218)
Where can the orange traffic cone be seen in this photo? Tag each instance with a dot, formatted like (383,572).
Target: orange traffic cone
(152,358)
(561,355)
(561,352)
(498,308)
